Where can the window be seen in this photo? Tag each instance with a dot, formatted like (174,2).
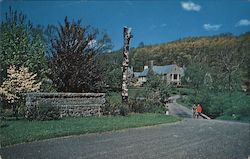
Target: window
(175,76)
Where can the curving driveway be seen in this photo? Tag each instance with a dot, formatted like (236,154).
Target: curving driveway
(188,139)
(177,109)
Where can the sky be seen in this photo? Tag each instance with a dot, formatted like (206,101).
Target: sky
(152,21)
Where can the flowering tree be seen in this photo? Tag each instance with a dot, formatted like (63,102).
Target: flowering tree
(21,44)
(18,81)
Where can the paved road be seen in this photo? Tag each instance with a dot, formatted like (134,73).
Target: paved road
(188,139)
(177,109)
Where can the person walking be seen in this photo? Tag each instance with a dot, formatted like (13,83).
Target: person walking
(198,110)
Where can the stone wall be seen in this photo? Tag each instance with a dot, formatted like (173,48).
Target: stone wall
(68,104)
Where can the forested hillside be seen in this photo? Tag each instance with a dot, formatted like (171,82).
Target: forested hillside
(213,52)
(183,52)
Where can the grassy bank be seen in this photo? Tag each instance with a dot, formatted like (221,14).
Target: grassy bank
(219,105)
(19,131)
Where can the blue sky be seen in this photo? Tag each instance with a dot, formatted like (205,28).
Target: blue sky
(152,22)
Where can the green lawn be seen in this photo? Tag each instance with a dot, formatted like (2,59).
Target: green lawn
(136,91)
(19,131)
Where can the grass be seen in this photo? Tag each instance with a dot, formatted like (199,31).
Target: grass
(186,91)
(182,102)
(231,118)
(115,97)
(136,91)
(219,105)
(19,131)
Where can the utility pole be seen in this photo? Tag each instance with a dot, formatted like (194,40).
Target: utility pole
(127,36)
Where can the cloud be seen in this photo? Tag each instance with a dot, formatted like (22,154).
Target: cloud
(190,6)
(209,27)
(163,25)
(243,22)
(153,27)
(1,1)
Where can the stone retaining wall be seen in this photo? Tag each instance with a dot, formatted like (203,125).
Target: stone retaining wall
(69,104)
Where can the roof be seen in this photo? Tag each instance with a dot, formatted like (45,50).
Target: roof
(137,74)
(130,71)
(161,70)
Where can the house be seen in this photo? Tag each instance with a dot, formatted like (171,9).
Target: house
(171,73)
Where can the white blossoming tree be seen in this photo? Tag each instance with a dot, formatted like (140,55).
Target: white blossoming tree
(18,81)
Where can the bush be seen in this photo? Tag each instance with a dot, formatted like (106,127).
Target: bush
(6,113)
(111,108)
(114,105)
(44,111)
(137,105)
(48,113)
(154,107)
(113,102)
(186,91)
(234,105)
(146,106)
(3,123)
(124,110)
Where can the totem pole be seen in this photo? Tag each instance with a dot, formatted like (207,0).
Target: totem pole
(127,36)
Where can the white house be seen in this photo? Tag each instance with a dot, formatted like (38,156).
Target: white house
(170,73)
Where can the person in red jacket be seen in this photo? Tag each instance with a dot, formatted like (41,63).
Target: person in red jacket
(198,110)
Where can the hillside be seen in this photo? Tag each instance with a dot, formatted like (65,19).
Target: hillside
(220,53)
(183,51)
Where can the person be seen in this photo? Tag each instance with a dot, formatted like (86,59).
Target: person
(199,110)
(194,110)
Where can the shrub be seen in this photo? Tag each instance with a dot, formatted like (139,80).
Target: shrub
(124,110)
(114,105)
(3,123)
(48,113)
(44,111)
(111,108)
(137,105)
(113,102)
(146,106)
(154,107)
(19,81)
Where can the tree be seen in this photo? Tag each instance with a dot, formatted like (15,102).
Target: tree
(229,62)
(19,81)
(194,76)
(157,88)
(73,57)
(21,43)
(114,79)
(141,44)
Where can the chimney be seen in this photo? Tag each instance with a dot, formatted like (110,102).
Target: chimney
(151,64)
(145,67)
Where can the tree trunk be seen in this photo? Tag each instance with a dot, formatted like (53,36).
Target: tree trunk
(127,36)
